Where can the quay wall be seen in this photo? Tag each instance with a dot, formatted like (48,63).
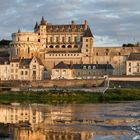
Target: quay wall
(67,83)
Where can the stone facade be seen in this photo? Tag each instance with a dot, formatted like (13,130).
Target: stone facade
(55,43)
(70,43)
(81,71)
(4,68)
(22,69)
(117,56)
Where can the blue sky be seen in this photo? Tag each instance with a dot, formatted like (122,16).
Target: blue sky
(111,21)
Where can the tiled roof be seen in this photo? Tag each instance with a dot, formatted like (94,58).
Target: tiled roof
(4,60)
(134,56)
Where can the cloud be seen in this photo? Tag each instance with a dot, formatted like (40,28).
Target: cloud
(111,21)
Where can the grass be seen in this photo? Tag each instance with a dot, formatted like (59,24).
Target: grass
(53,97)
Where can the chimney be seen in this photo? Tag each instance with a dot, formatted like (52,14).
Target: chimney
(86,24)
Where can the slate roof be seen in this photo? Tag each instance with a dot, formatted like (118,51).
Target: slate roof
(16,60)
(3,60)
(73,27)
(92,66)
(134,56)
(62,65)
(39,61)
(25,62)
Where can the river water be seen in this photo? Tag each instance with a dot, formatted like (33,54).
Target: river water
(114,121)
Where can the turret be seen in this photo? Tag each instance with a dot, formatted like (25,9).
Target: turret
(43,22)
(36,27)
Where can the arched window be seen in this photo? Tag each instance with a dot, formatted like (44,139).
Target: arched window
(57,46)
(75,46)
(27,38)
(51,46)
(69,46)
(63,46)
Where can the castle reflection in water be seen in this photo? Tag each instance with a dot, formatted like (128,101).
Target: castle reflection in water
(42,122)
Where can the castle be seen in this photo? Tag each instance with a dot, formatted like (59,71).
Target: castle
(71,43)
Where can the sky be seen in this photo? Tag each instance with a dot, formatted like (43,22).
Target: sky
(111,21)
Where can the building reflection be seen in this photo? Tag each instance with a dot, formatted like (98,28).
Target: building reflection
(43,122)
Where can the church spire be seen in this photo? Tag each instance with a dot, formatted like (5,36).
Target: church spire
(43,22)
(36,26)
(18,30)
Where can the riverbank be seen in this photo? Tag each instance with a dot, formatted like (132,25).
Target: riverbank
(69,96)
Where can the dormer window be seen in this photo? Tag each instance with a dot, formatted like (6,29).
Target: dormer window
(84,67)
(89,67)
(94,67)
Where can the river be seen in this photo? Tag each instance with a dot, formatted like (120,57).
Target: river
(113,121)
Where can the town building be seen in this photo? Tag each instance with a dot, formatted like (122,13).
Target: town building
(81,71)
(4,68)
(133,64)
(22,69)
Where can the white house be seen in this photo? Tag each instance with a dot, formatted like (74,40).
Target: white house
(133,64)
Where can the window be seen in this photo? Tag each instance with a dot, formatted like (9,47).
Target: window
(21,72)
(69,39)
(138,70)
(27,38)
(63,46)
(38,40)
(137,64)
(12,70)
(86,50)
(51,40)
(75,39)
(84,67)
(129,63)
(57,39)
(97,54)
(26,72)
(129,69)
(16,65)
(34,66)
(34,72)
(106,53)
(69,46)
(86,45)
(63,39)
(86,40)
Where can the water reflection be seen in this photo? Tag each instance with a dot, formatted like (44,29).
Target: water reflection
(69,122)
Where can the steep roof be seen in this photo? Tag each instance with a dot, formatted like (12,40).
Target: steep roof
(61,65)
(15,60)
(39,61)
(134,56)
(88,32)
(24,62)
(73,27)
(4,60)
